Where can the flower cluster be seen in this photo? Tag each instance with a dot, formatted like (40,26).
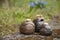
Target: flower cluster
(39,2)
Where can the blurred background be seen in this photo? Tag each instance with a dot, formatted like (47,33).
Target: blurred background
(13,12)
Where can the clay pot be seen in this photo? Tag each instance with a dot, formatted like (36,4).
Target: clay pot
(46,31)
(39,21)
(27,27)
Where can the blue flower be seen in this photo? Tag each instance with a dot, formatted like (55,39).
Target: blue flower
(32,4)
(42,3)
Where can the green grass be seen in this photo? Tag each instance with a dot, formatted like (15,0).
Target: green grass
(10,18)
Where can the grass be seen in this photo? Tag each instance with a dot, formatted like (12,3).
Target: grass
(10,18)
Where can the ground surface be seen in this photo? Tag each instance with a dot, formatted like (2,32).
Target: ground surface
(18,36)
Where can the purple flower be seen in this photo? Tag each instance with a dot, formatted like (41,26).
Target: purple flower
(32,4)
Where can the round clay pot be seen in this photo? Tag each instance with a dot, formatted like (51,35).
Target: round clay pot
(39,21)
(27,27)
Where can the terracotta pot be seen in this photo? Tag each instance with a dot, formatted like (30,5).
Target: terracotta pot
(27,27)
